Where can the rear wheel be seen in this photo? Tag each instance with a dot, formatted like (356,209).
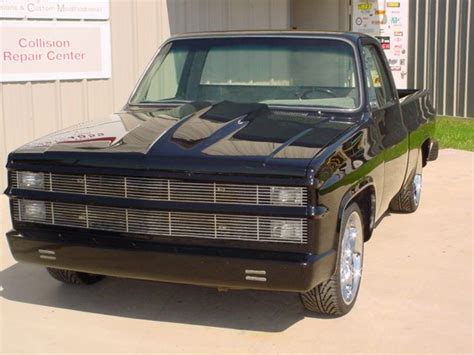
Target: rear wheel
(338,295)
(74,277)
(408,199)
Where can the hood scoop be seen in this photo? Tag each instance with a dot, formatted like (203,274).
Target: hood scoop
(226,136)
(227,111)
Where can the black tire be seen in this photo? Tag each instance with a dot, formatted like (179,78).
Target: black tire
(408,198)
(74,277)
(326,298)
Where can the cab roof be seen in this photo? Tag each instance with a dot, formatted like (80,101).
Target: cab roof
(350,36)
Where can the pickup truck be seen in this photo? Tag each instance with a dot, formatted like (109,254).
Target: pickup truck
(242,160)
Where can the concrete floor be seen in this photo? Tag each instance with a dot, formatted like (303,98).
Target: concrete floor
(416,296)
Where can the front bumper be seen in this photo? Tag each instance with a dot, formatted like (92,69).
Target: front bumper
(216,267)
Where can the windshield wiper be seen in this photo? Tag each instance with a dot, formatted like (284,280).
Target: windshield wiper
(319,110)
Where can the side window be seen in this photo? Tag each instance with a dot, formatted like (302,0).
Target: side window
(378,84)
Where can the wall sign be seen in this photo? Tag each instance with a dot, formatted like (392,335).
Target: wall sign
(66,9)
(33,51)
(387,21)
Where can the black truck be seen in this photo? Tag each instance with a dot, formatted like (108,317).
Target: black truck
(242,160)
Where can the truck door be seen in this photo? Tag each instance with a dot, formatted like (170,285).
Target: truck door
(387,117)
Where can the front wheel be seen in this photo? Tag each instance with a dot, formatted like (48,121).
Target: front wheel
(74,277)
(338,295)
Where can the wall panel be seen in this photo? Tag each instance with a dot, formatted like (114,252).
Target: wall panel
(217,15)
(19,124)
(146,36)
(100,98)
(72,103)
(469,73)
(3,145)
(441,49)
(43,94)
(320,15)
(124,50)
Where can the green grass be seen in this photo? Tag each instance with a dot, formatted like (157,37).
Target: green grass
(455,132)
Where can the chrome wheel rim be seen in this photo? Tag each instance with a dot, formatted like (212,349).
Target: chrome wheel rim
(351,257)
(417,188)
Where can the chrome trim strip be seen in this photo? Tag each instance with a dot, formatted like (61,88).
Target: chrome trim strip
(47,257)
(160,189)
(44,251)
(168,224)
(256,278)
(256,272)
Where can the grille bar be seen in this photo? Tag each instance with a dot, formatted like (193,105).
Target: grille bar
(13,177)
(162,223)
(160,189)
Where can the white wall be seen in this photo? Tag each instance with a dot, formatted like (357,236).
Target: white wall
(32,109)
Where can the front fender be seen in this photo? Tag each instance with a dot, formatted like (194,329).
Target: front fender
(354,166)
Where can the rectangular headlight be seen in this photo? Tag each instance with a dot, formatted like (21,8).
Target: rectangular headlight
(33,210)
(289,230)
(289,196)
(30,180)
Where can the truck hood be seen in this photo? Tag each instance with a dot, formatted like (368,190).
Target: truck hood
(226,137)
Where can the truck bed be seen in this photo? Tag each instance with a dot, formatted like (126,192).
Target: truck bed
(404,93)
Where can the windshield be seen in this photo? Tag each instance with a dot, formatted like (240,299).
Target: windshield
(274,71)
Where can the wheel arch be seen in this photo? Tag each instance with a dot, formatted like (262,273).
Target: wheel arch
(363,193)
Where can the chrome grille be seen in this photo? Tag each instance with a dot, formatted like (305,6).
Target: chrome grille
(13,178)
(160,189)
(67,183)
(66,214)
(104,185)
(162,223)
